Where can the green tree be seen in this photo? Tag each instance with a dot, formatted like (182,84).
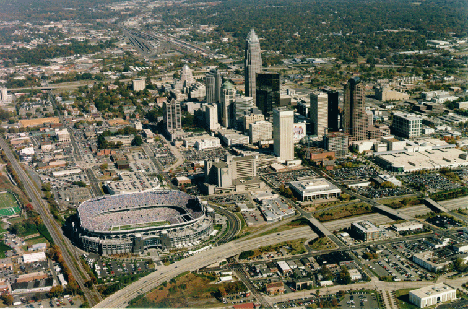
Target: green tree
(137,141)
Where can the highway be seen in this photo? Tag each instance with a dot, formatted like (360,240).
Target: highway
(121,298)
(68,252)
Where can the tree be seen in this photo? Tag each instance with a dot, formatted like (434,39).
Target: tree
(56,291)
(8,299)
(137,141)
(104,166)
(344,276)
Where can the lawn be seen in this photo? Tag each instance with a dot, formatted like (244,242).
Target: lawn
(402,297)
(8,205)
(3,248)
(33,241)
(344,212)
(322,243)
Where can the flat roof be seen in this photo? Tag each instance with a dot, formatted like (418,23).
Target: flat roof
(432,290)
(314,185)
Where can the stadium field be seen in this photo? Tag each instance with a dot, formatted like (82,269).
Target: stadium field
(8,205)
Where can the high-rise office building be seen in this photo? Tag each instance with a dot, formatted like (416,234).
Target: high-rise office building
(172,116)
(283,121)
(228,97)
(406,125)
(268,92)
(213,81)
(186,76)
(333,111)
(319,112)
(251,116)
(337,142)
(211,116)
(241,106)
(260,131)
(355,120)
(253,63)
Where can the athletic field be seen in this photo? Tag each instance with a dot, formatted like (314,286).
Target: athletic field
(8,205)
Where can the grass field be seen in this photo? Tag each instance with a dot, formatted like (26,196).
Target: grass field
(3,248)
(8,205)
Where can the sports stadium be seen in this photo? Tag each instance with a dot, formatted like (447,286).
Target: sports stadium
(131,223)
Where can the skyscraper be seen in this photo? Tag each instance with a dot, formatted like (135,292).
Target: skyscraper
(253,63)
(283,121)
(319,113)
(355,117)
(213,82)
(268,92)
(226,103)
(172,116)
(211,116)
(186,76)
(333,111)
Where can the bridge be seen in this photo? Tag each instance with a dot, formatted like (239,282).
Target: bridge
(392,213)
(430,203)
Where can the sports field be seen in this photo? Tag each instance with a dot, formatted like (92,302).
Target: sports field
(8,205)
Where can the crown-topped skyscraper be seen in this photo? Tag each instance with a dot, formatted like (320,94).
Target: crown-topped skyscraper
(253,63)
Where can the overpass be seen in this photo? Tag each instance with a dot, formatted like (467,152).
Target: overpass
(318,227)
(433,205)
(392,213)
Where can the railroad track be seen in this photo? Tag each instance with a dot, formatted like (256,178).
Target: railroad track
(68,251)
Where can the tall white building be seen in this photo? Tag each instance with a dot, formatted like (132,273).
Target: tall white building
(319,112)
(260,131)
(186,76)
(406,125)
(253,64)
(138,84)
(211,116)
(213,81)
(283,121)
(227,99)
(3,94)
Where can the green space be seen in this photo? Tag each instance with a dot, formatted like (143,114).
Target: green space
(402,297)
(344,212)
(33,241)
(322,243)
(188,290)
(397,203)
(288,226)
(3,248)
(139,226)
(8,205)
(450,194)
(28,227)
(292,247)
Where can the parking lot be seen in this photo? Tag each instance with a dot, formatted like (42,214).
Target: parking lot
(432,182)
(443,222)
(277,179)
(354,173)
(372,192)
(362,300)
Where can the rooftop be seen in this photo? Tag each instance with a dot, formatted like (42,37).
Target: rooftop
(432,290)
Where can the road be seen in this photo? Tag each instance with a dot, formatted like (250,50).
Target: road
(121,298)
(233,225)
(240,273)
(69,254)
